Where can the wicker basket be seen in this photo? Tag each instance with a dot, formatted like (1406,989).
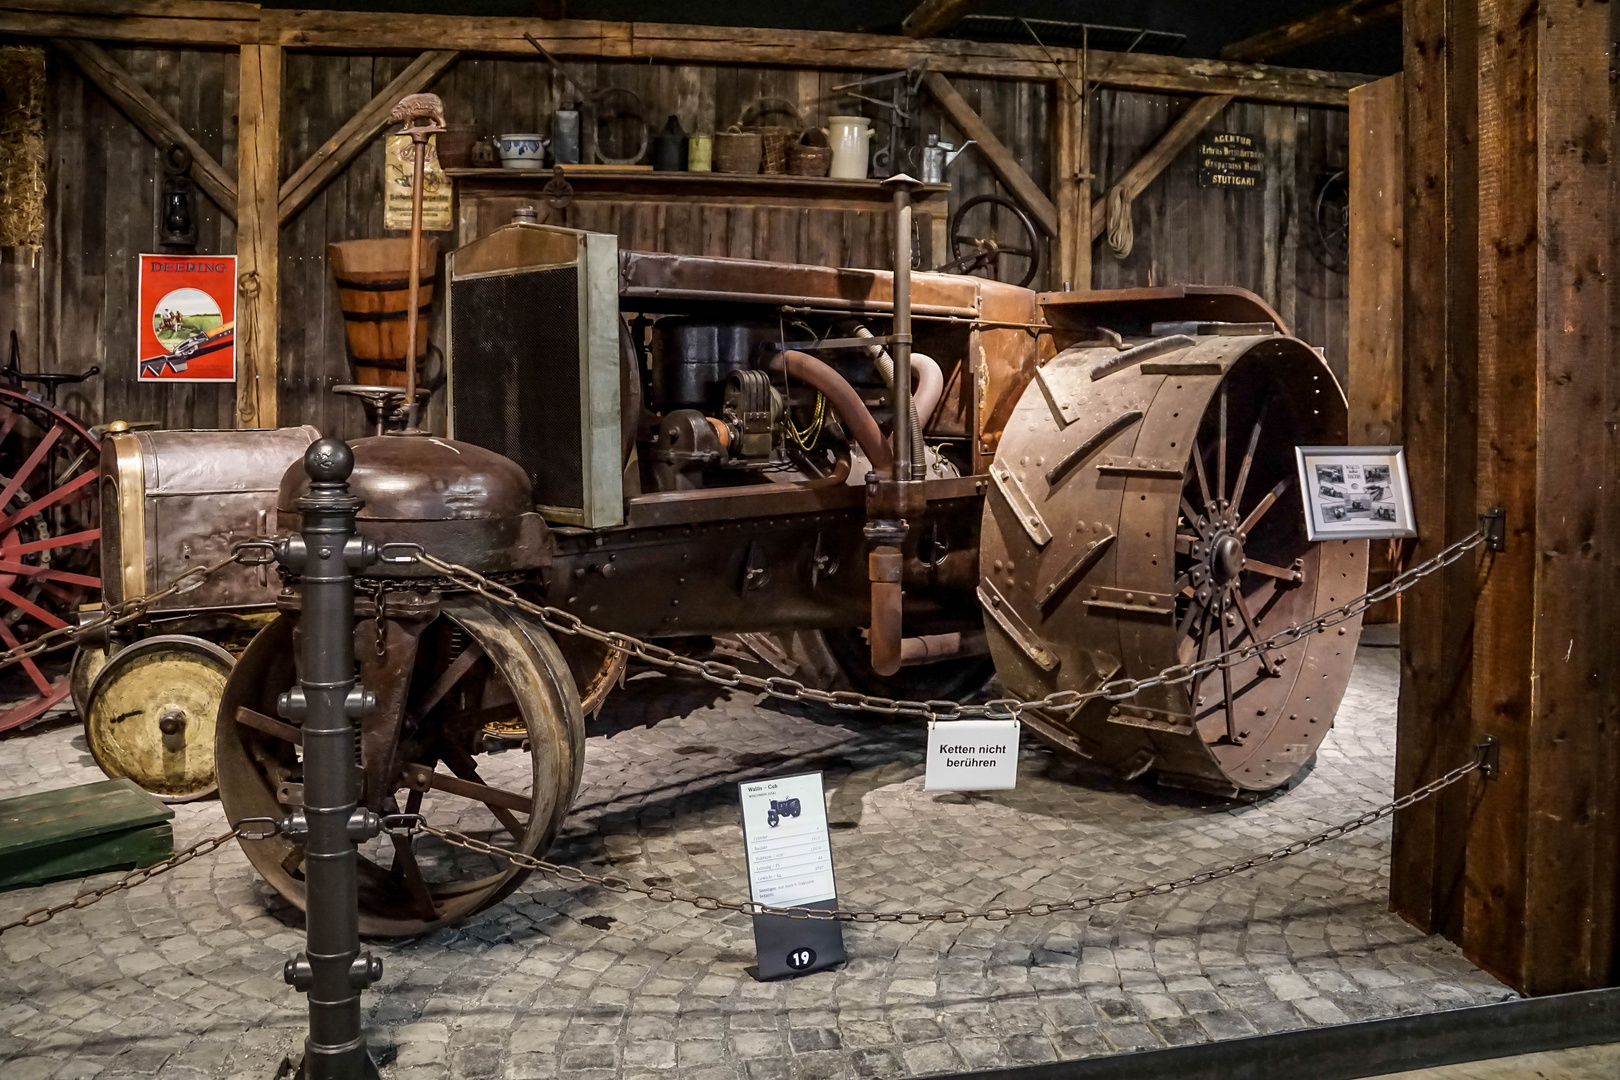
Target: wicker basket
(775,143)
(809,160)
(737,151)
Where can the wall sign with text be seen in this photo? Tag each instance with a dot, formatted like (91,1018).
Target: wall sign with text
(186,318)
(1231,160)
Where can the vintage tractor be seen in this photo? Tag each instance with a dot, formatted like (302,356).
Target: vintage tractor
(674,447)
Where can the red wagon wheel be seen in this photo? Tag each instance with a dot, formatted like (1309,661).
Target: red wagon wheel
(49,552)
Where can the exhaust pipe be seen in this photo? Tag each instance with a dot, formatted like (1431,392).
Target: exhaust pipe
(890,499)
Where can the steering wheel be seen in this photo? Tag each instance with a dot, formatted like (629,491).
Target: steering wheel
(975,249)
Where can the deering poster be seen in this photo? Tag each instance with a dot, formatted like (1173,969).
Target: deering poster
(186,322)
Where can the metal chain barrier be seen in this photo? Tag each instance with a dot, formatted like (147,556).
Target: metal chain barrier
(247,829)
(133,608)
(778,687)
(786,689)
(405,824)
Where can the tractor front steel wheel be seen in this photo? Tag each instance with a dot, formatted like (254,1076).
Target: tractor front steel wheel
(475,663)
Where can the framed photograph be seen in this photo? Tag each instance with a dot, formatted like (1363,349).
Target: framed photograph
(1355,492)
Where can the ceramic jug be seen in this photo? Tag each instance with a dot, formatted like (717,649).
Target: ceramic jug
(851,139)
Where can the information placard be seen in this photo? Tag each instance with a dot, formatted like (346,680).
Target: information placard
(790,864)
(789,850)
(972,755)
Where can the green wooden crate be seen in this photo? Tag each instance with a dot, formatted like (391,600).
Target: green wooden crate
(77,831)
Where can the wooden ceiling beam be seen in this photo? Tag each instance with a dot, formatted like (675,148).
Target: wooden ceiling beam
(334,155)
(1335,22)
(152,119)
(933,17)
(170,22)
(1001,160)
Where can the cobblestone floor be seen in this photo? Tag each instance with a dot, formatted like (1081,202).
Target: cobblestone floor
(180,979)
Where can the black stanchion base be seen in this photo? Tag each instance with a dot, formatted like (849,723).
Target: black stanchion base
(294,1069)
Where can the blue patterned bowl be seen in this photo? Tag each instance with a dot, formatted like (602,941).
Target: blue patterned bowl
(522,151)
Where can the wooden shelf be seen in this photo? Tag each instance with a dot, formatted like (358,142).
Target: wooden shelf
(689,184)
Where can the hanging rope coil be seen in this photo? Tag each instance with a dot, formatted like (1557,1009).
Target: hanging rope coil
(1121,237)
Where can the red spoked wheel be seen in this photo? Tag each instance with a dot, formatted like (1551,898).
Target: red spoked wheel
(49,553)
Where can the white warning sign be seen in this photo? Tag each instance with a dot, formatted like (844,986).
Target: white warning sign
(972,755)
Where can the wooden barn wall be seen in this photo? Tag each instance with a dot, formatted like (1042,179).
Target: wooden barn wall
(74,304)
(1264,240)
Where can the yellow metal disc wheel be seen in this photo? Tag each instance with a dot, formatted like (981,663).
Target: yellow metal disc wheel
(150,713)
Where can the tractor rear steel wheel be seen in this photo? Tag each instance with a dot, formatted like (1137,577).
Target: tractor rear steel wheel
(1149,514)
(475,662)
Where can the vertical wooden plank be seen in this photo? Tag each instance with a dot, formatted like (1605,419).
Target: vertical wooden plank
(1438,391)
(1571,835)
(1376,165)
(1066,109)
(1508,196)
(258,180)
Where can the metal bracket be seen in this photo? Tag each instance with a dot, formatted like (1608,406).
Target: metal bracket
(1493,523)
(1490,757)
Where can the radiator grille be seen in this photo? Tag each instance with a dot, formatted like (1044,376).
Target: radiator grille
(516,363)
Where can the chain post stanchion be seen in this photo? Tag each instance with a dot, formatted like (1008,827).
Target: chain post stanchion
(333,969)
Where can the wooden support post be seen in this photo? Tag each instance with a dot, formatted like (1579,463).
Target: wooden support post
(1509,308)
(1158,156)
(1377,135)
(1028,193)
(344,146)
(258,159)
(150,117)
(1335,22)
(1070,136)
(1539,908)
(1373,386)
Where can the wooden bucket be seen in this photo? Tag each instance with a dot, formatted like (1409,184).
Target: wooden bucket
(373,279)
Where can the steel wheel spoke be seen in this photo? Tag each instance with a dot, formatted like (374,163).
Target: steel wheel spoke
(1278,572)
(48,500)
(1265,504)
(1203,640)
(1195,519)
(1194,608)
(1248,624)
(1220,454)
(406,866)
(446,681)
(46,617)
(1203,480)
(1248,456)
(1226,677)
(88,536)
(47,574)
(41,683)
(461,763)
(30,464)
